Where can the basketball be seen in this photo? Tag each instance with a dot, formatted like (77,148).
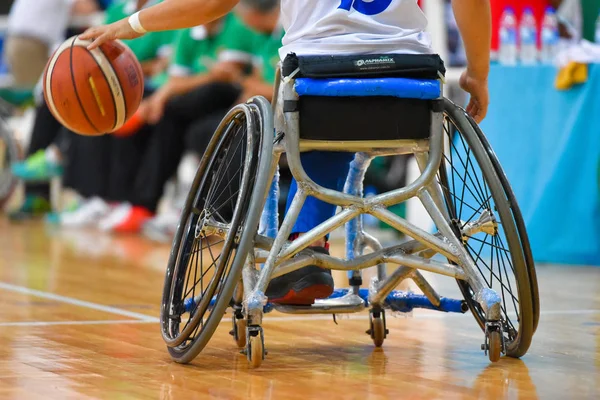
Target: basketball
(93,92)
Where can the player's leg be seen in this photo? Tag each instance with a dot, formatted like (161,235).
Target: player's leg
(304,285)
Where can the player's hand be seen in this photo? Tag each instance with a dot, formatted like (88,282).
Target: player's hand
(104,33)
(153,108)
(477,87)
(225,72)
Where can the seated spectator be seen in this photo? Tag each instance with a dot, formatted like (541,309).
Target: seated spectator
(204,84)
(578,18)
(198,134)
(47,147)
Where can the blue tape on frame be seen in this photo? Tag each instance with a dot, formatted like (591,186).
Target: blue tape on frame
(404,88)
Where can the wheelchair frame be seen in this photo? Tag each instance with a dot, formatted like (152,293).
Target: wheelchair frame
(280,257)
(270,246)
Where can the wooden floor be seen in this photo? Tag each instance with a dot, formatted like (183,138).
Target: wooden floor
(78,319)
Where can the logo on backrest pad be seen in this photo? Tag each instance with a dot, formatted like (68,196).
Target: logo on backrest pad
(372,7)
(375,62)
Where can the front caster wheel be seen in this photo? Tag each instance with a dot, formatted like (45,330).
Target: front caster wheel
(494,346)
(239,331)
(378,330)
(255,347)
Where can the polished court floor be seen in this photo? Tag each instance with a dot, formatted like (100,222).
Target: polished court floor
(78,319)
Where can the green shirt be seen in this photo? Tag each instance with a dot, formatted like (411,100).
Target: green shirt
(590,10)
(196,51)
(149,46)
(267,55)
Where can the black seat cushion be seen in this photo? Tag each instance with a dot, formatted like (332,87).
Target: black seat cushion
(418,66)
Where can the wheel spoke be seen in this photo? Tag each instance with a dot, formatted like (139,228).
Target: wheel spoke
(493,275)
(465,186)
(481,192)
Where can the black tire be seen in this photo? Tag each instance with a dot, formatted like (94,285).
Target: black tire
(518,217)
(9,153)
(469,160)
(245,134)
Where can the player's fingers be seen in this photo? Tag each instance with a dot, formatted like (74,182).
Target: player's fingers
(99,40)
(88,34)
(471,106)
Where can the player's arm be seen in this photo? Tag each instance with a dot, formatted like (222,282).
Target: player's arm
(474,21)
(164,16)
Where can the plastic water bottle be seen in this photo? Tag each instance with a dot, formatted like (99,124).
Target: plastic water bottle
(597,35)
(549,36)
(507,54)
(528,34)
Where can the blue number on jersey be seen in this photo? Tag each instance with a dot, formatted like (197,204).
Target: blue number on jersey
(373,7)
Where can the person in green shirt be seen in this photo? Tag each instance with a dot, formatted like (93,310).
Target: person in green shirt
(580,16)
(45,155)
(153,51)
(262,80)
(215,53)
(205,81)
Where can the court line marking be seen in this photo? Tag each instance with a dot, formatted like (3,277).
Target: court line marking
(76,302)
(58,323)
(343,317)
(296,318)
(142,318)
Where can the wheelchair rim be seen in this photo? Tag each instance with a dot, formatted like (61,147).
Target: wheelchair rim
(502,270)
(197,247)
(518,219)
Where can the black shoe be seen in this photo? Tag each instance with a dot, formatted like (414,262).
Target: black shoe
(303,286)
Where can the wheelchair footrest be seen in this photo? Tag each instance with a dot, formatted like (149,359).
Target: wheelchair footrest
(349,303)
(401,301)
(344,301)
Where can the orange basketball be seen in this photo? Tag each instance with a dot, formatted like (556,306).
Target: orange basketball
(93,92)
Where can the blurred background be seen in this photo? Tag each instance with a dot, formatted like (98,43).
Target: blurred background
(543,123)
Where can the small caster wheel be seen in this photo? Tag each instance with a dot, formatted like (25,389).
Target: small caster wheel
(255,347)
(494,346)
(378,330)
(239,331)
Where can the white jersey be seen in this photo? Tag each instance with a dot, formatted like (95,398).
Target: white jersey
(353,27)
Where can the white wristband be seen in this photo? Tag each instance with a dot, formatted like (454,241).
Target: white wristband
(136,25)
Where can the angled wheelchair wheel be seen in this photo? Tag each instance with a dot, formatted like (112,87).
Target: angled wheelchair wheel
(519,222)
(485,216)
(9,153)
(216,229)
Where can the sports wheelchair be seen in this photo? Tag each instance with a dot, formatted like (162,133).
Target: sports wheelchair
(228,245)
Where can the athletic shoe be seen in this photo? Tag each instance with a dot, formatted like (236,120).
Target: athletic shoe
(162,227)
(114,217)
(303,286)
(133,221)
(32,207)
(87,214)
(37,167)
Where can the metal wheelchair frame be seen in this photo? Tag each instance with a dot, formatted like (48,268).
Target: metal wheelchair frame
(281,256)
(266,253)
